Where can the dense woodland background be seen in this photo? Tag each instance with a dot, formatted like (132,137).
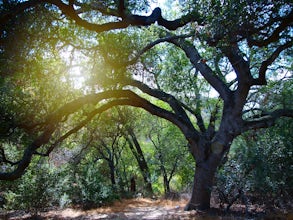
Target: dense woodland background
(94,154)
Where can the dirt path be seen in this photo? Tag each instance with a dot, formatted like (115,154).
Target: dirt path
(127,209)
(153,212)
(140,209)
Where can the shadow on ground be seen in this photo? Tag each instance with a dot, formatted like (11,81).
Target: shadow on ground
(150,209)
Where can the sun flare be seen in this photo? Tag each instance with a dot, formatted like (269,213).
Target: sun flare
(76,77)
(75,70)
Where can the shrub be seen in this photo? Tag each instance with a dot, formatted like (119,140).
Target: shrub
(40,187)
(91,187)
(260,165)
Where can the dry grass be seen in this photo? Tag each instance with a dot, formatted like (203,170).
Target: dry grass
(143,202)
(143,208)
(122,206)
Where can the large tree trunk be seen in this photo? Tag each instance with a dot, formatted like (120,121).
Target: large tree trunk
(202,188)
(204,177)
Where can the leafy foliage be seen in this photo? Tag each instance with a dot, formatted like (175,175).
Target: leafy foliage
(91,188)
(260,166)
(42,186)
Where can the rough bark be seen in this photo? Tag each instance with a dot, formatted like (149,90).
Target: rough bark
(202,187)
(206,168)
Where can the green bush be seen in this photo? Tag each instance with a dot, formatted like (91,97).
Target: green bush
(41,186)
(260,165)
(44,185)
(91,187)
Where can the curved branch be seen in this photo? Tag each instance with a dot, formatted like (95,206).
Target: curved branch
(261,80)
(28,153)
(173,103)
(154,43)
(180,22)
(124,97)
(204,69)
(267,120)
(275,36)
(149,46)
(45,137)
(127,19)
(90,116)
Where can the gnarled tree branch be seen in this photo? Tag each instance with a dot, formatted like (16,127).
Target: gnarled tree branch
(261,80)
(266,120)
(174,104)
(124,97)
(285,22)
(204,69)
(127,19)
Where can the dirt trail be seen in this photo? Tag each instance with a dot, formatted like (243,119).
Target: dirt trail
(141,208)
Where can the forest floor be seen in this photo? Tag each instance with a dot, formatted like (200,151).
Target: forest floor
(142,208)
